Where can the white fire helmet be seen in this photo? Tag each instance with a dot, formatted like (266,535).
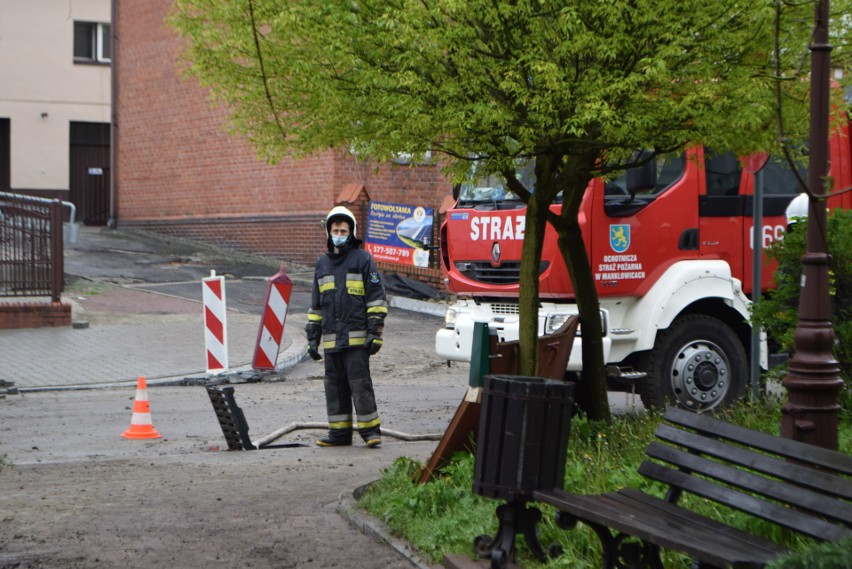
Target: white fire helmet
(340,213)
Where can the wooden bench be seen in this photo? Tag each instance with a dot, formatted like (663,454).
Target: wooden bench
(798,486)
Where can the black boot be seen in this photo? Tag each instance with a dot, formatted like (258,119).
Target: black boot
(336,438)
(372,436)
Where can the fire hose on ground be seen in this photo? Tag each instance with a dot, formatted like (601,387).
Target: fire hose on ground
(235,426)
(275,435)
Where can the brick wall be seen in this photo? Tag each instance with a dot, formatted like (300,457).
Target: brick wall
(179,172)
(14,315)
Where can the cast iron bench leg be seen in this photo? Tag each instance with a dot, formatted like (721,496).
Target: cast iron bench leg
(515,517)
(620,551)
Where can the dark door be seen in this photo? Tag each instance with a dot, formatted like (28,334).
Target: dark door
(5,157)
(90,172)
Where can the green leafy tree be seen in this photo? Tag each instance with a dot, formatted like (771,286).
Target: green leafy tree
(578,86)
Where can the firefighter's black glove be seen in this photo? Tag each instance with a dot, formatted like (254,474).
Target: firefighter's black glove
(313,351)
(314,332)
(373,344)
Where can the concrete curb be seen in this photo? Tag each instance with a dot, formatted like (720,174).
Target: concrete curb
(348,508)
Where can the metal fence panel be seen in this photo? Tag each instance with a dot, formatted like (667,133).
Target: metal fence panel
(31,246)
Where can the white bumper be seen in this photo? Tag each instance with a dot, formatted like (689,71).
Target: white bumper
(454,344)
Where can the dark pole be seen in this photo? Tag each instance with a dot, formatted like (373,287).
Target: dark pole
(813,376)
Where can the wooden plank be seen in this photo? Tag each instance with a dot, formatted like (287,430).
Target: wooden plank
(668,526)
(557,425)
(463,428)
(533,436)
(511,437)
(788,494)
(489,449)
(725,532)
(786,517)
(800,475)
(554,351)
(459,435)
(787,448)
(693,533)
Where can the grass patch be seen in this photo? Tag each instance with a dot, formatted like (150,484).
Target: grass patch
(87,287)
(444,516)
(823,556)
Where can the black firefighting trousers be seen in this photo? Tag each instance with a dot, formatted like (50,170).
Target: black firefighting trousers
(348,381)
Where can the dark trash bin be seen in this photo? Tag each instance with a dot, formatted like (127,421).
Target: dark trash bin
(521,447)
(523,436)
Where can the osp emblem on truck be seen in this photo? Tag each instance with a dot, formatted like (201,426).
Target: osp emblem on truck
(619,237)
(495,253)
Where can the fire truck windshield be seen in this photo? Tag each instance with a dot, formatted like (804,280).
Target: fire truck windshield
(492,189)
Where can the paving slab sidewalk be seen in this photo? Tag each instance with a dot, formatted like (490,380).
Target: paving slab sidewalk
(121,333)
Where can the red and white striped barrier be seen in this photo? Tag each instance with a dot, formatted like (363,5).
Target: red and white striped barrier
(215,323)
(272,323)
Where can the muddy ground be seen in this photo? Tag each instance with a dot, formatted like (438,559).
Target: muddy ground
(77,495)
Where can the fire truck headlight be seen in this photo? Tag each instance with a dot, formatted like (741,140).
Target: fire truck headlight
(450,317)
(554,322)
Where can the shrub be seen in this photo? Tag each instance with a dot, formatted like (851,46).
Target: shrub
(777,312)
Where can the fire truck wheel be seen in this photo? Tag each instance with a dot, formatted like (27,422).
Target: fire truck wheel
(698,364)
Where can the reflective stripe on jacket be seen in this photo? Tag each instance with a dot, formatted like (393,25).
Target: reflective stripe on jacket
(347,298)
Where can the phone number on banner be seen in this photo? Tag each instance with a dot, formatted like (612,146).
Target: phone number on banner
(390,251)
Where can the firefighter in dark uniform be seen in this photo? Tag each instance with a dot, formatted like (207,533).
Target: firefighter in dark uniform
(346,317)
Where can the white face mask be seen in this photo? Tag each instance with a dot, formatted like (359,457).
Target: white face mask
(339,240)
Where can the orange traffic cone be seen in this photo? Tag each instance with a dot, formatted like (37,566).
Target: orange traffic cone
(140,422)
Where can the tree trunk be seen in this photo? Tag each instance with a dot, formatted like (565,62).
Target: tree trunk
(536,222)
(591,394)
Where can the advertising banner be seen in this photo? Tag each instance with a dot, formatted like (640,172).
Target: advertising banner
(399,233)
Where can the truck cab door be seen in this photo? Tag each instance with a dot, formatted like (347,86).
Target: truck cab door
(644,220)
(721,210)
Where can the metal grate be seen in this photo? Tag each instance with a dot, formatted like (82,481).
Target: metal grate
(501,308)
(231,418)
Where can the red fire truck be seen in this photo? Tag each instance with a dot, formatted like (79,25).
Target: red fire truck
(670,244)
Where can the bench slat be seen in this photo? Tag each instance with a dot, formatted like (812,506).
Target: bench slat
(795,496)
(788,448)
(727,532)
(822,481)
(668,531)
(755,546)
(786,517)
(666,525)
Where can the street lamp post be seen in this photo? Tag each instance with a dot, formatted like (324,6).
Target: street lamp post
(813,376)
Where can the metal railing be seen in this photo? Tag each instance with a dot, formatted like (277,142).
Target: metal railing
(31,246)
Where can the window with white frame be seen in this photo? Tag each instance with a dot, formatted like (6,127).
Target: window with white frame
(91,42)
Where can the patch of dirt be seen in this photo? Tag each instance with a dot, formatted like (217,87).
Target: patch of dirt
(77,495)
